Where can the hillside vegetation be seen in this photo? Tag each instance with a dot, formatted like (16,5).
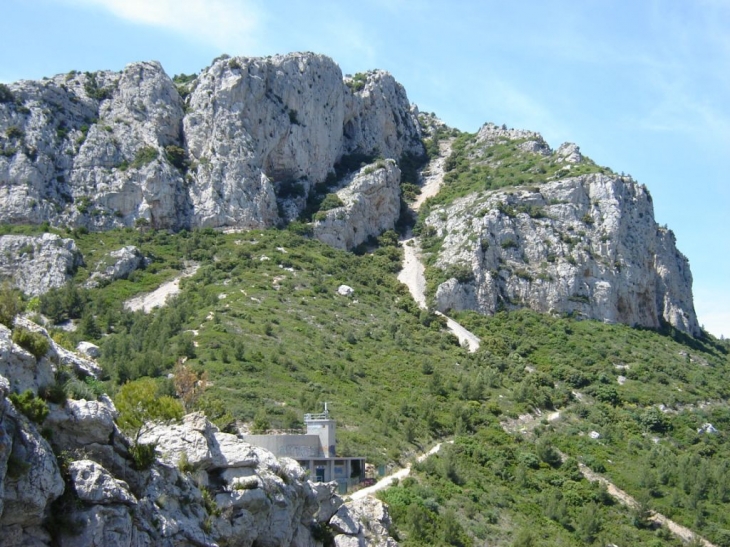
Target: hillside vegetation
(262,319)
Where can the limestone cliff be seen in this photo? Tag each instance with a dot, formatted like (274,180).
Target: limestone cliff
(587,245)
(112,149)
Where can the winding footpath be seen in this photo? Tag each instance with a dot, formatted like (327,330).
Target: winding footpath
(527,422)
(413,272)
(401,474)
(682,532)
(158,298)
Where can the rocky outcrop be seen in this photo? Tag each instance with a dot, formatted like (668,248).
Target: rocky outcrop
(30,478)
(112,149)
(117,265)
(364,521)
(371,205)
(587,245)
(37,264)
(20,367)
(207,486)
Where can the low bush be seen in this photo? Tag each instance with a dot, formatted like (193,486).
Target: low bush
(143,455)
(145,155)
(6,96)
(34,408)
(34,342)
(10,304)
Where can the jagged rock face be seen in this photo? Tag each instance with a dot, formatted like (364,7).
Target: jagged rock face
(587,245)
(260,500)
(37,264)
(371,206)
(364,521)
(114,149)
(378,118)
(89,150)
(29,476)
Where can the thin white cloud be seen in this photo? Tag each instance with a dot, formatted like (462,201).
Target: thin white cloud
(225,24)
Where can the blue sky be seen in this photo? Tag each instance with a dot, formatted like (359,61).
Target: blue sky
(641,86)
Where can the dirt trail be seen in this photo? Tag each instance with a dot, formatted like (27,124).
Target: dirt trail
(385,482)
(682,532)
(527,422)
(157,298)
(412,274)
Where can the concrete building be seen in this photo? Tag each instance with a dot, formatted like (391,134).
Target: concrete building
(316,451)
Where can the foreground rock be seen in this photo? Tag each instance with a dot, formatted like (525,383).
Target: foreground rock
(207,488)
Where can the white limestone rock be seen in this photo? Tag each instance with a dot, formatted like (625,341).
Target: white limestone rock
(37,264)
(58,355)
(344,523)
(21,368)
(96,485)
(569,153)
(103,525)
(88,349)
(365,522)
(190,438)
(33,480)
(327,500)
(117,265)
(77,424)
(94,150)
(371,206)
(345,290)
(594,251)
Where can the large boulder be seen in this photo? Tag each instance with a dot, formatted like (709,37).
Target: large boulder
(117,265)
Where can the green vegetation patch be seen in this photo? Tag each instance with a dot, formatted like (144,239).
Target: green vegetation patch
(476,167)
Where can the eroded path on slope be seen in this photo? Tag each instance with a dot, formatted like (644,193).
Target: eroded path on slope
(385,482)
(413,272)
(525,423)
(158,298)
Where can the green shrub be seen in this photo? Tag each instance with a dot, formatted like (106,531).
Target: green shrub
(34,342)
(209,503)
(145,155)
(56,393)
(331,201)
(358,81)
(91,86)
(143,455)
(177,156)
(139,402)
(6,96)
(14,132)
(10,304)
(34,408)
